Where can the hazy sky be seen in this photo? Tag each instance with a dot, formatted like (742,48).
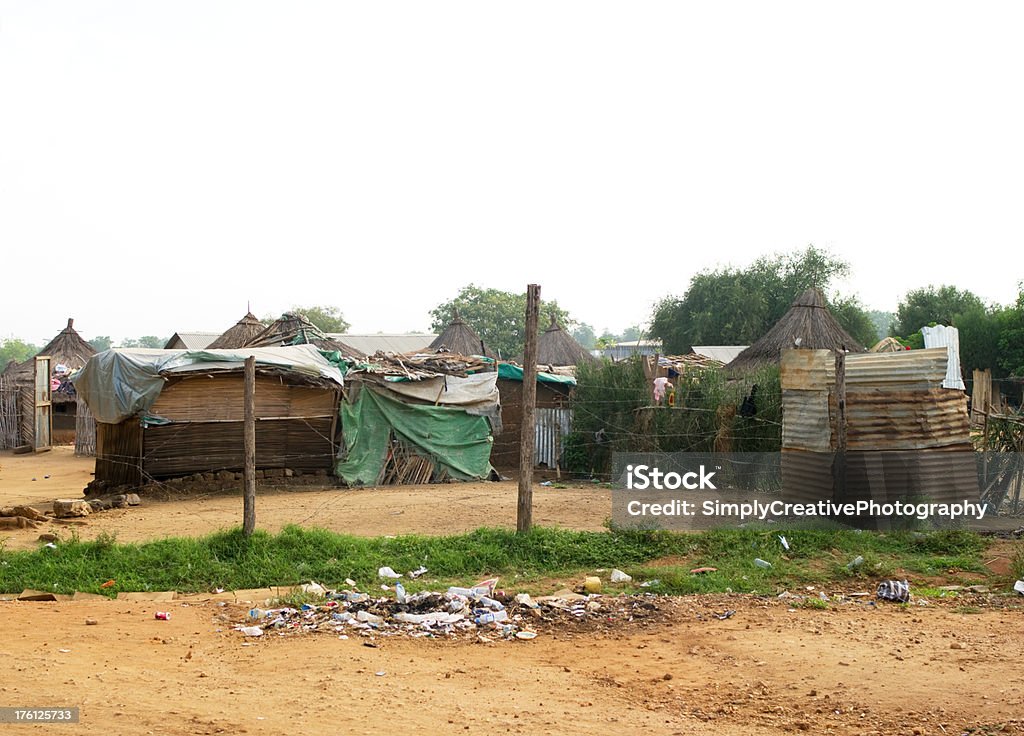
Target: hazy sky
(163,164)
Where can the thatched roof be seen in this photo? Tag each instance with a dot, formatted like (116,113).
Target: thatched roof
(807,324)
(67,348)
(887,345)
(458,337)
(292,328)
(557,347)
(240,333)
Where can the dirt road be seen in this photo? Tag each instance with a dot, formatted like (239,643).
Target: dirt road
(768,669)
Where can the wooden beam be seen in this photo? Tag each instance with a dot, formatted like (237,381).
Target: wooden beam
(524,514)
(249,443)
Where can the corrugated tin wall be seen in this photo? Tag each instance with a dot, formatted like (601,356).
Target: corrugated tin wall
(900,426)
(552,427)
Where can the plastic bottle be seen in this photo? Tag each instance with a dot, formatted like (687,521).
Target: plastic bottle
(763,564)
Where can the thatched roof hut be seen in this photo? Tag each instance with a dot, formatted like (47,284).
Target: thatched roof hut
(887,345)
(240,333)
(458,337)
(292,328)
(557,347)
(67,349)
(807,324)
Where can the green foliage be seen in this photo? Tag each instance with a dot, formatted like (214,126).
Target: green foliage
(731,306)
(146,341)
(327,318)
(296,555)
(102,342)
(499,317)
(933,305)
(17,350)
(851,315)
(980,332)
(584,335)
(616,400)
(882,322)
(1011,337)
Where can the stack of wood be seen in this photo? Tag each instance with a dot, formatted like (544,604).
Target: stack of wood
(405,467)
(419,366)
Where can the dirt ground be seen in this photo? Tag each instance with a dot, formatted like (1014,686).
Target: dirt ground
(941,668)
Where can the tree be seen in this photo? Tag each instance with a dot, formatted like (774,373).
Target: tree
(146,341)
(499,317)
(17,350)
(855,320)
(980,330)
(584,335)
(882,321)
(933,305)
(731,306)
(101,343)
(1011,337)
(328,319)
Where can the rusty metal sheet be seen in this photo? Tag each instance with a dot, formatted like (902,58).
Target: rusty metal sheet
(910,369)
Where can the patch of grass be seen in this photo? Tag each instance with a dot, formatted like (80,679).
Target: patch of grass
(967,609)
(526,561)
(1017,564)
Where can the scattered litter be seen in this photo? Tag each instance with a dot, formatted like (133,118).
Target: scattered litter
(387,572)
(109,584)
(703,570)
(785,544)
(414,574)
(855,562)
(480,612)
(162,615)
(380,674)
(620,577)
(91,622)
(313,589)
(62,651)
(725,614)
(51,545)
(592,584)
(897,591)
(763,564)
(650,583)
(546,483)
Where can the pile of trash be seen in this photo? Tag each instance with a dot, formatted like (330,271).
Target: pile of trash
(482,611)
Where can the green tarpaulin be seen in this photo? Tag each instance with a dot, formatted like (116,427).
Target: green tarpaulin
(515,373)
(454,440)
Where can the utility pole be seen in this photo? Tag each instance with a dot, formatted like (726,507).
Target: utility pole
(524,515)
(249,441)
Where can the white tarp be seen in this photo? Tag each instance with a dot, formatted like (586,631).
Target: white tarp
(941,336)
(120,383)
(479,390)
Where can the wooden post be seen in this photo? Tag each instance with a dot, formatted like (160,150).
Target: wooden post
(527,437)
(839,466)
(249,439)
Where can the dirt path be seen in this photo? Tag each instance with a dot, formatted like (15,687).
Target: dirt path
(435,509)
(768,669)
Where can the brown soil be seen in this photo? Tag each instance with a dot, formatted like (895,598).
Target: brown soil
(850,669)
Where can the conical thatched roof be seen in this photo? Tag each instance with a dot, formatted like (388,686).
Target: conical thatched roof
(240,333)
(67,348)
(887,345)
(459,338)
(807,324)
(292,328)
(557,347)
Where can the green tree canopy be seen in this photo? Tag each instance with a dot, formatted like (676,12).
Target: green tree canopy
(585,336)
(499,317)
(1011,337)
(328,319)
(102,342)
(933,305)
(12,348)
(146,341)
(736,306)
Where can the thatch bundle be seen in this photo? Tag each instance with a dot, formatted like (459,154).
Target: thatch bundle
(887,345)
(458,337)
(807,324)
(67,348)
(557,347)
(292,328)
(240,333)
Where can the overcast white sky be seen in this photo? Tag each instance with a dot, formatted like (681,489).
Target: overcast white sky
(163,164)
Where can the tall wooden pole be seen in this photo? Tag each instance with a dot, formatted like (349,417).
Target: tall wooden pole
(249,439)
(524,516)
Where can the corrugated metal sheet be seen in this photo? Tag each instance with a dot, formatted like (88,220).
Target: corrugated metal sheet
(806,476)
(722,353)
(552,427)
(905,420)
(911,369)
(941,336)
(806,377)
(394,343)
(191,340)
